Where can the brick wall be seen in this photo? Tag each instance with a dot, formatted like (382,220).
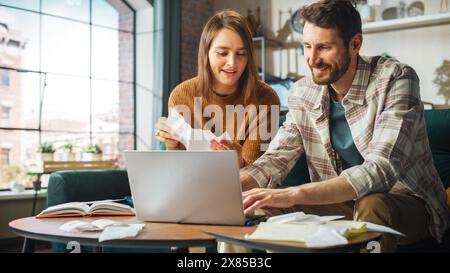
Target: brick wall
(194,15)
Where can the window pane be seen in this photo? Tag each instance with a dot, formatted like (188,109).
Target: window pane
(104,14)
(63,53)
(75,9)
(105,106)
(66,104)
(112,54)
(19,102)
(19,39)
(105,53)
(25,4)
(16,147)
(112,13)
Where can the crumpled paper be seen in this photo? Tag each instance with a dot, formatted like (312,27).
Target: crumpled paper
(119,232)
(110,229)
(192,139)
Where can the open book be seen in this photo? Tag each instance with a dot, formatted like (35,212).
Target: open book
(105,207)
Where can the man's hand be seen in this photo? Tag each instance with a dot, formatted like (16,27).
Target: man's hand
(276,198)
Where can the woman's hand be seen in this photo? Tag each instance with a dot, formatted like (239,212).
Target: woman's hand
(225,145)
(164,134)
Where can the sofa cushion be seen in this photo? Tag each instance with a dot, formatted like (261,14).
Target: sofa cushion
(438,129)
(299,174)
(87,185)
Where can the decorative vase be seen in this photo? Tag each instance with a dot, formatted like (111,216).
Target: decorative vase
(68,156)
(367,13)
(16,186)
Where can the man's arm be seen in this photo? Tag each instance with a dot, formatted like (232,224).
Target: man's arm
(332,191)
(395,131)
(275,164)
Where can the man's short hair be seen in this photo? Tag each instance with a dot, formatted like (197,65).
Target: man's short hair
(338,14)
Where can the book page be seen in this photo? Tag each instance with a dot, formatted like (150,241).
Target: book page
(283,232)
(110,207)
(67,208)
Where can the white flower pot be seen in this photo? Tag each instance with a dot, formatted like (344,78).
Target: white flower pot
(45,156)
(66,156)
(92,157)
(17,186)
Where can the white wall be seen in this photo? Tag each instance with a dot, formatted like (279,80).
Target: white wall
(423,48)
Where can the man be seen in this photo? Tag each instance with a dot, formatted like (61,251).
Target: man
(360,123)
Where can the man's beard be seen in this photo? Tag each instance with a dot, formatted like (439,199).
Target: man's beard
(337,71)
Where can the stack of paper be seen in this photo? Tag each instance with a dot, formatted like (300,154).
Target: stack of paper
(301,217)
(313,230)
(192,139)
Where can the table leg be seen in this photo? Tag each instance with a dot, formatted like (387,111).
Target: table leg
(97,249)
(28,246)
(176,249)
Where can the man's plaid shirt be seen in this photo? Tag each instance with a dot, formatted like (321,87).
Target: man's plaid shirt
(385,114)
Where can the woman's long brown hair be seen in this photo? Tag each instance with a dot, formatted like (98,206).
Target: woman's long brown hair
(233,21)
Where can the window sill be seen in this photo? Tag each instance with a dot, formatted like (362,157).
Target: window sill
(27,194)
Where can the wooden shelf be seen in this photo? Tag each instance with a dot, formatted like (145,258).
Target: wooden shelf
(47,167)
(407,23)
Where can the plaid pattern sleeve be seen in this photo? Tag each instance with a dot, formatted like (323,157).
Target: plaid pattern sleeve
(282,154)
(385,115)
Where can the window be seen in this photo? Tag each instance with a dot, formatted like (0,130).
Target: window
(71,67)
(5,79)
(5,156)
(6,113)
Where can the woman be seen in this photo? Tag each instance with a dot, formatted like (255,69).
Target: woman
(227,77)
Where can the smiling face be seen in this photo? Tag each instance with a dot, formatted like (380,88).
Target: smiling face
(228,60)
(327,56)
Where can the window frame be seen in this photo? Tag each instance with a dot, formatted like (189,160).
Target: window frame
(43,74)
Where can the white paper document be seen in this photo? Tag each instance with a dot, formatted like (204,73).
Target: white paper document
(110,229)
(325,236)
(82,226)
(313,230)
(192,139)
(119,232)
(301,217)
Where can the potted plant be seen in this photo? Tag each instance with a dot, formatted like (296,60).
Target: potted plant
(92,153)
(46,151)
(12,175)
(67,152)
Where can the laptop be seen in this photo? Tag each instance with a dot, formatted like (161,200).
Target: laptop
(200,187)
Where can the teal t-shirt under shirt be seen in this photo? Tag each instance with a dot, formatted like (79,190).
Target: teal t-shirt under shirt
(341,137)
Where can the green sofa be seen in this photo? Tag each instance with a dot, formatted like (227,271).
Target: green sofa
(69,186)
